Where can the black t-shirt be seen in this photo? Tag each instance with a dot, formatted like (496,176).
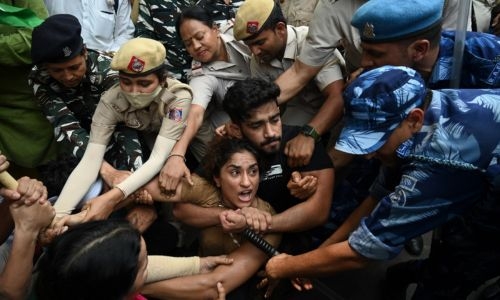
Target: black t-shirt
(274,179)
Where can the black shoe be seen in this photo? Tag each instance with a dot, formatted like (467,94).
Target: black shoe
(415,246)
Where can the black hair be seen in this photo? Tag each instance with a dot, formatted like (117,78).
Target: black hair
(220,151)
(94,260)
(54,173)
(246,95)
(194,12)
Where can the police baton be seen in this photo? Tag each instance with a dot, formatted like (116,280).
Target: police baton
(267,248)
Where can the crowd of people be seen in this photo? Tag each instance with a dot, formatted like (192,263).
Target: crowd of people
(173,149)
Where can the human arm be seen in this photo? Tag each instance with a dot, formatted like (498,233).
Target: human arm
(353,221)
(166,267)
(319,262)
(28,220)
(78,183)
(293,80)
(175,168)
(311,212)
(246,261)
(102,206)
(300,149)
(66,124)
(124,28)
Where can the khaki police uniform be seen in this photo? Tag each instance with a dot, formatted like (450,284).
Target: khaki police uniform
(301,108)
(210,81)
(298,12)
(165,117)
(330,30)
(164,114)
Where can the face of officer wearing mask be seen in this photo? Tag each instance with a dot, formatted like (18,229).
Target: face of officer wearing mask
(140,91)
(141,65)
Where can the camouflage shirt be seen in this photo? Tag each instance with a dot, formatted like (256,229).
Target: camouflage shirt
(70,110)
(220,11)
(157,21)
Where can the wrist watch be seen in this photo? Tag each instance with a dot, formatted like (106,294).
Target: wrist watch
(310,131)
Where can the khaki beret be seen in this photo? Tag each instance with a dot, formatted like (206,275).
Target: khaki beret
(251,17)
(139,56)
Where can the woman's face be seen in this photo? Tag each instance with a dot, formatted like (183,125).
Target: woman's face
(201,41)
(239,179)
(142,84)
(142,273)
(69,73)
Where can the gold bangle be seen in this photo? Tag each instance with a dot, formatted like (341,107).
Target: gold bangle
(175,154)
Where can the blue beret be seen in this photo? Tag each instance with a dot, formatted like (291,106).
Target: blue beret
(389,20)
(57,39)
(375,104)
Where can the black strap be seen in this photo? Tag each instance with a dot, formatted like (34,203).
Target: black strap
(115,6)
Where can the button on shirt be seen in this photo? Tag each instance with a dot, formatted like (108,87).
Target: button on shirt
(443,171)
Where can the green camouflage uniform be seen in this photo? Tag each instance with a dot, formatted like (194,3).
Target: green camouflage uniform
(157,21)
(70,111)
(220,11)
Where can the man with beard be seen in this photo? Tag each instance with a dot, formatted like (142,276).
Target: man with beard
(253,108)
(260,24)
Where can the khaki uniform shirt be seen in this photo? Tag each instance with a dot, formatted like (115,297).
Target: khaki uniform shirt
(298,12)
(328,31)
(165,115)
(301,108)
(210,82)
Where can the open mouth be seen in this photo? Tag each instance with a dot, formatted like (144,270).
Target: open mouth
(245,196)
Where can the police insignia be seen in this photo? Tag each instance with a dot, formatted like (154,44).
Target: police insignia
(136,64)
(175,114)
(67,51)
(369,31)
(252,27)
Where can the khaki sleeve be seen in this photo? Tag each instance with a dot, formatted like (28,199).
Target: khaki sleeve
(150,168)
(201,193)
(166,267)
(80,179)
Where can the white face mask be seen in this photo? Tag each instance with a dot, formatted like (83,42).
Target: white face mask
(141,100)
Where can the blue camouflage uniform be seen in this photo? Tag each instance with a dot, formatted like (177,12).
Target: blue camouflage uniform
(481,61)
(70,111)
(446,173)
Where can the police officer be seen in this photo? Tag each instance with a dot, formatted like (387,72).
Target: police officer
(145,100)
(68,81)
(218,61)
(275,45)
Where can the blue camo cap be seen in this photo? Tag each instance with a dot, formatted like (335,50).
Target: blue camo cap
(375,104)
(380,21)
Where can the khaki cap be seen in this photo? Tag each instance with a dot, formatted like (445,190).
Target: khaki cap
(251,16)
(139,56)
